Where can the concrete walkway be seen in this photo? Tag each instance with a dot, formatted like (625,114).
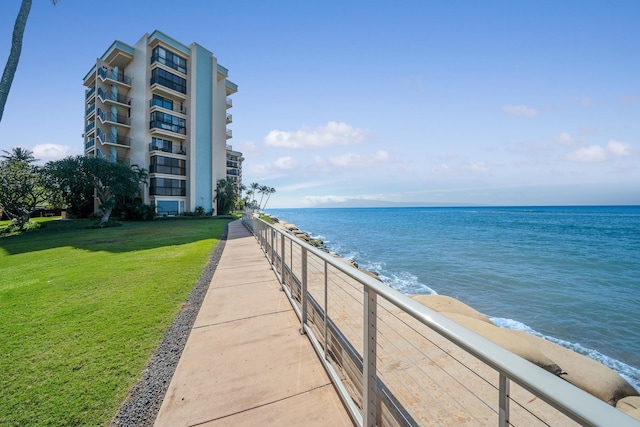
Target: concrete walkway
(245,363)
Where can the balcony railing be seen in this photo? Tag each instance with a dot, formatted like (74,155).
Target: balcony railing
(111,117)
(172,64)
(90,126)
(229,103)
(90,92)
(116,97)
(229,118)
(229,134)
(395,361)
(167,149)
(168,170)
(89,144)
(107,138)
(90,109)
(113,75)
(174,107)
(158,124)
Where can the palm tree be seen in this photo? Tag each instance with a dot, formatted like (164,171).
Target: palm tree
(263,190)
(14,54)
(254,187)
(19,154)
(269,193)
(248,198)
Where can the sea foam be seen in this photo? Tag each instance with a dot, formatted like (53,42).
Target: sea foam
(629,373)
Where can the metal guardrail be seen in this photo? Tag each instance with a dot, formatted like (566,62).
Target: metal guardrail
(388,376)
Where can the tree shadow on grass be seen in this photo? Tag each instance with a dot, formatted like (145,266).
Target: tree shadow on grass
(131,236)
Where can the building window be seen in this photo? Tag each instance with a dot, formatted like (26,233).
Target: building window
(170,59)
(163,102)
(169,80)
(168,165)
(169,104)
(166,145)
(167,187)
(168,207)
(168,122)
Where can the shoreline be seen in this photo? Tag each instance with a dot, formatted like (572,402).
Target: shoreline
(583,372)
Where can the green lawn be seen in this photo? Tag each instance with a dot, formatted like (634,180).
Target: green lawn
(82,310)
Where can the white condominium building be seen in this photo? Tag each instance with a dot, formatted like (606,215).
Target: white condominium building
(163,106)
(234,165)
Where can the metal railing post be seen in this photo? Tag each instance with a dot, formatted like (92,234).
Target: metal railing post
(326,314)
(273,247)
(282,265)
(369,375)
(503,401)
(303,297)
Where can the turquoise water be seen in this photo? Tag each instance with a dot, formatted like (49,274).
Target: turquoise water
(569,274)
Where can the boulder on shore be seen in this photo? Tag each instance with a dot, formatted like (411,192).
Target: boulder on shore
(443,303)
(577,369)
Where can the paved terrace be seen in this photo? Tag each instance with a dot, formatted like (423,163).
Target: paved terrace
(245,363)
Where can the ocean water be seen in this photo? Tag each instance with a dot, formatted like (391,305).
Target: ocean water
(568,274)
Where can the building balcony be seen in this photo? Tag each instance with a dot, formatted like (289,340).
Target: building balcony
(112,76)
(90,126)
(167,170)
(229,134)
(111,118)
(88,94)
(229,118)
(166,91)
(167,149)
(230,87)
(89,111)
(229,103)
(89,144)
(173,64)
(158,125)
(107,138)
(173,106)
(107,97)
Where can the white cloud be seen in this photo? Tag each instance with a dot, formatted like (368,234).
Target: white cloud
(477,167)
(286,163)
(332,134)
(596,153)
(519,110)
(248,147)
(443,168)
(566,139)
(358,160)
(619,148)
(318,200)
(591,154)
(304,185)
(47,152)
(259,168)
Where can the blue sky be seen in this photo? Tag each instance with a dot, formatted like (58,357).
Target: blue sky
(357,102)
